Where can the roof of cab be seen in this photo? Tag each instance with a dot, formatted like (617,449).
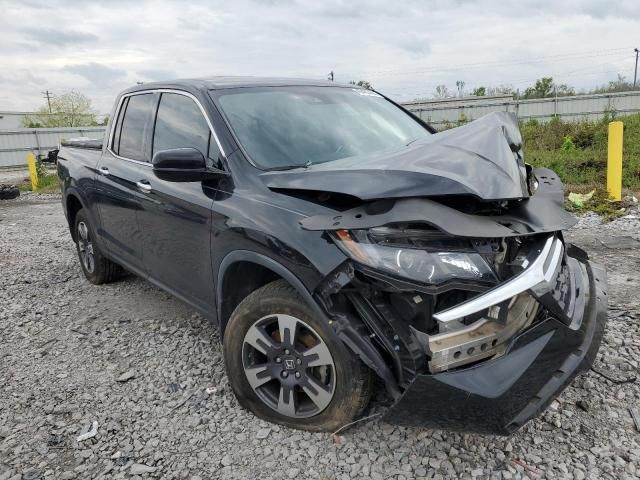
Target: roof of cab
(222,82)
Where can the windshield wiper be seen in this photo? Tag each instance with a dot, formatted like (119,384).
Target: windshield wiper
(290,167)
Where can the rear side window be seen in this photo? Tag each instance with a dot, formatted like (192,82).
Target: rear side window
(179,124)
(137,120)
(118,126)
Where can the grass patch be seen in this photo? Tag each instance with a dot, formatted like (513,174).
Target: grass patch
(599,203)
(48,183)
(577,151)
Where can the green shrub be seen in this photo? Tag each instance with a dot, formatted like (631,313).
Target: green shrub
(567,144)
(41,171)
(462,119)
(577,151)
(583,134)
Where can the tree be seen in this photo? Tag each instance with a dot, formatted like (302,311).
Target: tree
(545,87)
(618,85)
(479,91)
(564,90)
(363,84)
(72,109)
(441,92)
(460,86)
(500,90)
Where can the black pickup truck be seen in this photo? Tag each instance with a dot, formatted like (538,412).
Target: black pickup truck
(335,238)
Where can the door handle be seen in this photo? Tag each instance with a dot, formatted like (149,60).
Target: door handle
(103,171)
(144,186)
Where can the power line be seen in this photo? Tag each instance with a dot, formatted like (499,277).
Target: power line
(635,72)
(558,75)
(47,94)
(550,59)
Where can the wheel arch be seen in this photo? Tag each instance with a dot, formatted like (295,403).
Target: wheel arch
(234,284)
(73,205)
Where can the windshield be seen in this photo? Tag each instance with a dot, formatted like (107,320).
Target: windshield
(285,127)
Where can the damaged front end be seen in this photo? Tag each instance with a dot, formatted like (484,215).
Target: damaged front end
(469,330)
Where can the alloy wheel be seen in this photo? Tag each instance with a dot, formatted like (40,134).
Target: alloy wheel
(289,366)
(85,247)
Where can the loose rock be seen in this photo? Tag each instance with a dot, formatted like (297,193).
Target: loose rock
(126,376)
(139,469)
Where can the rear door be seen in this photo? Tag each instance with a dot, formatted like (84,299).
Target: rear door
(175,220)
(120,189)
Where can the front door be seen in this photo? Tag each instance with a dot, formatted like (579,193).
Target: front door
(119,193)
(175,220)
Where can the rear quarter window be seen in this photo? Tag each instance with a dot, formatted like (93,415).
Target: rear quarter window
(115,146)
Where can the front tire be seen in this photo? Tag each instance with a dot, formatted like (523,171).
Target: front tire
(288,367)
(95,266)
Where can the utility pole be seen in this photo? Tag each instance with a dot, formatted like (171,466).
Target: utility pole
(330,77)
(47,94)
(635,73)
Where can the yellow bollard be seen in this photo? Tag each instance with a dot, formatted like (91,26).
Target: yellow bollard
(614,161)
(33,171)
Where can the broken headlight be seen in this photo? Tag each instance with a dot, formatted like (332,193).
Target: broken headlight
(423,256)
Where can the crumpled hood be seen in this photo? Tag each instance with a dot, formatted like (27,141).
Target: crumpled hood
(482,158)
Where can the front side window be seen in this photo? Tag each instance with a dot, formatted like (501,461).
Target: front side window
(179,124)
(284,127)
(138,117)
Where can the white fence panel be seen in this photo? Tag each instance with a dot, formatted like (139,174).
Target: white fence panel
(16,144)
(575,108)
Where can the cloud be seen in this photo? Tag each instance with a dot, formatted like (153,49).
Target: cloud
(403,48)
(157,74)
(414,43)
(59,37)
(96,73)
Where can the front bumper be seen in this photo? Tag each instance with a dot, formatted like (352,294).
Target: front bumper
(498,396)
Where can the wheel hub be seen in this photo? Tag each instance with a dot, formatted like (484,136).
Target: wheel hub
(290,363)
(286,363)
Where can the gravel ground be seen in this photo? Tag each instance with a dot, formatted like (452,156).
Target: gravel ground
(139,363)
(13,175)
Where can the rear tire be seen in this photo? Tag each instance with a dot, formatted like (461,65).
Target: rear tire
(95,266)
(319,390)
(8,192)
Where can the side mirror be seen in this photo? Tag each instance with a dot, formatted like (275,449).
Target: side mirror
(183,165)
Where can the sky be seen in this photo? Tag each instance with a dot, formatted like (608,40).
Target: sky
(404,48)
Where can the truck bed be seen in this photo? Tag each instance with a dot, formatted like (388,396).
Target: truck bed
(88,143)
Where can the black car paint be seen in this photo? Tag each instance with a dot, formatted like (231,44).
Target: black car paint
(501,395)
(188,237)
(214,210)
(543,212)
